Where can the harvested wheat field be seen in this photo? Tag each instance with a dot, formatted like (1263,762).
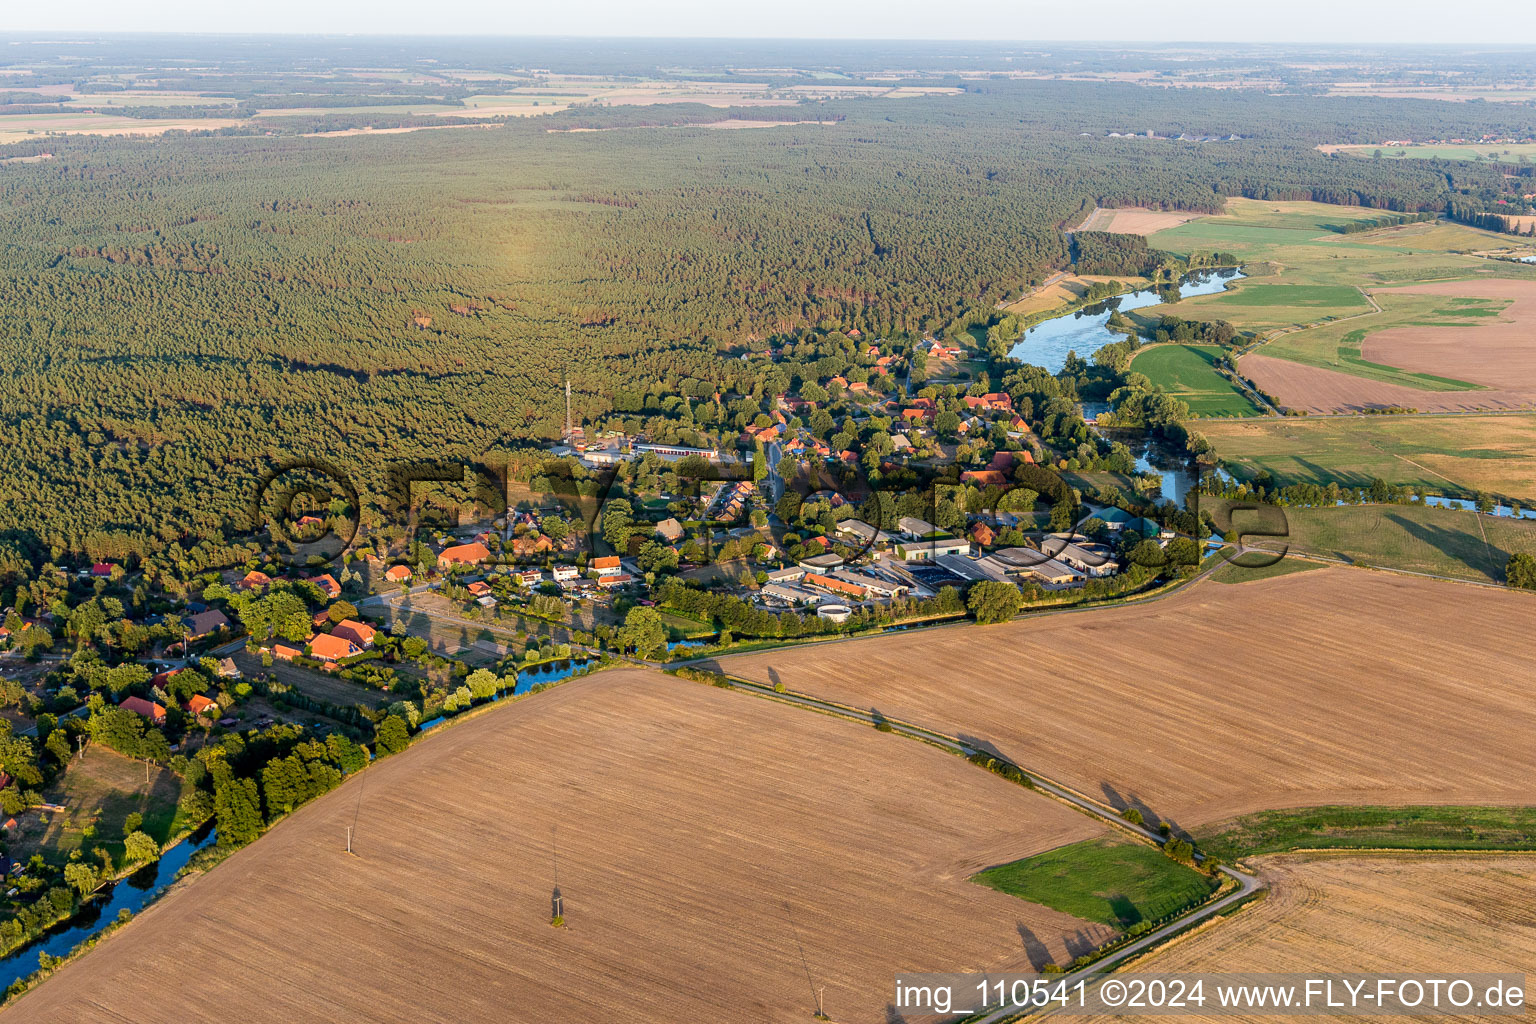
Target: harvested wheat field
(1386,913)
(1334,686)
(1135,220)
(1319,390)
(704,837)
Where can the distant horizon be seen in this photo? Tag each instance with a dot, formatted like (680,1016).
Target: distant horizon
(69,35)
(1305,22)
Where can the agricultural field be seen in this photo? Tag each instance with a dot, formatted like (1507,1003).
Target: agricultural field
(1376,913)
(1111,881)
(1188,372)
(1508,153)
(1454,543)
(1134,220)
(1310,688)
(1458,455)
(1398,316)
(700,834)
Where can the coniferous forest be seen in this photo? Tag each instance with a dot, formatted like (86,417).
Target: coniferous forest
(182,312)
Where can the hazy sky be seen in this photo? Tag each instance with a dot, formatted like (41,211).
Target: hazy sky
(1366,21)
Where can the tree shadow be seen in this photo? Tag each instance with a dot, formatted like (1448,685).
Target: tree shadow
(1124,909)
(1120,802)
(1034,949)
(1452,544)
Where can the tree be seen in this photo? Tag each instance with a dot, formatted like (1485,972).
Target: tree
(237,809)
(81,877)
(1521,572)
(341,610)
(132,822)
(139,848)
(1062,515)
(1149,554)
(643,631)
(994,601)
(393,735)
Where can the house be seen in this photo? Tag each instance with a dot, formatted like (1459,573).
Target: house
(159,679)
(670,530)
(608,565)
(198,704)
(359,633)
(479,588)
(282,652)
(900,443)
(255,581)
(328,647)
(101,570)
(144,709)
(204,623)
(609,582)
(463,554)
(984,477)
(858,387)
(319,619)
(398,574)
(838,380)
(914,415)
(529,577)
(228,669)
(563,573)
(328,586)
(998,400)
(982,534)
(530,544)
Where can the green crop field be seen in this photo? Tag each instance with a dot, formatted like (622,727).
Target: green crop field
(1327,296)
(1436,541)
(1110,881)
(1459,455)
(1369,828)
(1189,372)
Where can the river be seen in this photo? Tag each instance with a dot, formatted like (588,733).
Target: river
(1083,331)
(133,893)
(527,678)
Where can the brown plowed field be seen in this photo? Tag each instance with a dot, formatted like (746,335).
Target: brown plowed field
(705,837)
(1319,390)
(1387,914)
(1500,353)
(1330,686)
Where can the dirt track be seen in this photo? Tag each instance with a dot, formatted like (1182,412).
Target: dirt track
(1329,686)
(688,819)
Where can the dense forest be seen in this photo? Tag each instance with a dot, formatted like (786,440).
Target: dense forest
(183,313)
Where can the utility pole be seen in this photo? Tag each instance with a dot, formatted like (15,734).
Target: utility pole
(349,839)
